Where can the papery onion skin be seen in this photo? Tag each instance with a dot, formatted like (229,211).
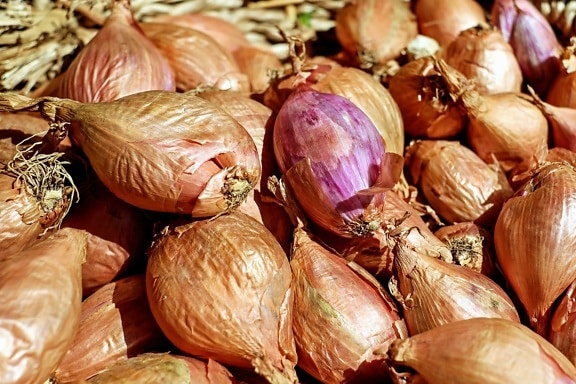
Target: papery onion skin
(562,333)
(443,20)
(40,303)
(118,235)
(374,31)
(481,53)
(562,92)
(14,128)
(467,352)
(428,110)
(115,324)
(332,181)
(117,62)
(457,184)
(434,292)
(340,317)
(562,122)
(159,150)
(196,58)
(534,240)
(240,318)
(259,64)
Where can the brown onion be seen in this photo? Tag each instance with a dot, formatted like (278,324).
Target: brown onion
(433,292)
(374,31)
(562,92)
(456,182)
(258,120)
(505,126)
(480,351)
(428,110)
(115,324)
(159,150)
(117,62)
(259,64)
(227,34)
(118,234)
(163,368)
(558,154)
(40,299)
(562,333)
(443,20)
(196,58)
(471,246)
(375,253)
(482,54)
(15,128)
(242,317)
(534,240)
(340,316)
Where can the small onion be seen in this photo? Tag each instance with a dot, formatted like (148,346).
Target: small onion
(375,31)
(558,154)
(159,150)
(532,38)
(117,62)
(562,332)
(562,92)
(196,58)
(443,20)
(242,317)
(505,126)
(456,182)
(468,352)
(433,292)
(40,303)
(340,183)
(534,240)
(259,64)
(481,54)
(428,110)
(340,317)
(118,234)
(115,324)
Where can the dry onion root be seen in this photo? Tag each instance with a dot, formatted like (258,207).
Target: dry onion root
(480,351)
(221,288)
(40,304)
(159,150)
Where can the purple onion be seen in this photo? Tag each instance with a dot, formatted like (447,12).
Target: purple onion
(334,160)
(533,40)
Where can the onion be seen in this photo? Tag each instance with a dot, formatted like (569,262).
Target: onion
(375,253)
(242,317)
(472,246)
(159,150)
(443,20)
(558,154)
(456,182)
(562,122)
(534,240)
(483,55)
(163,368)
(117,62)
(562,332)
(562,92)
(227,34)
(433,292)
(115,324)
(339,184)
(468,352)
(196,58)
(118,234)
(427,107)
(15,128)
(40,298)
(505,126)
(374,31)
(259,64)
(340,317)
(532,38)
(258,120)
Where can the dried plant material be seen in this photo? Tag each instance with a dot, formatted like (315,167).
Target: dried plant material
(480,351)
(40,303)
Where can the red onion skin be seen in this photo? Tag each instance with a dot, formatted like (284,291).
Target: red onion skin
(326,140)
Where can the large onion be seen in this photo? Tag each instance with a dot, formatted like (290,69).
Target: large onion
(222,289)
(159,150)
